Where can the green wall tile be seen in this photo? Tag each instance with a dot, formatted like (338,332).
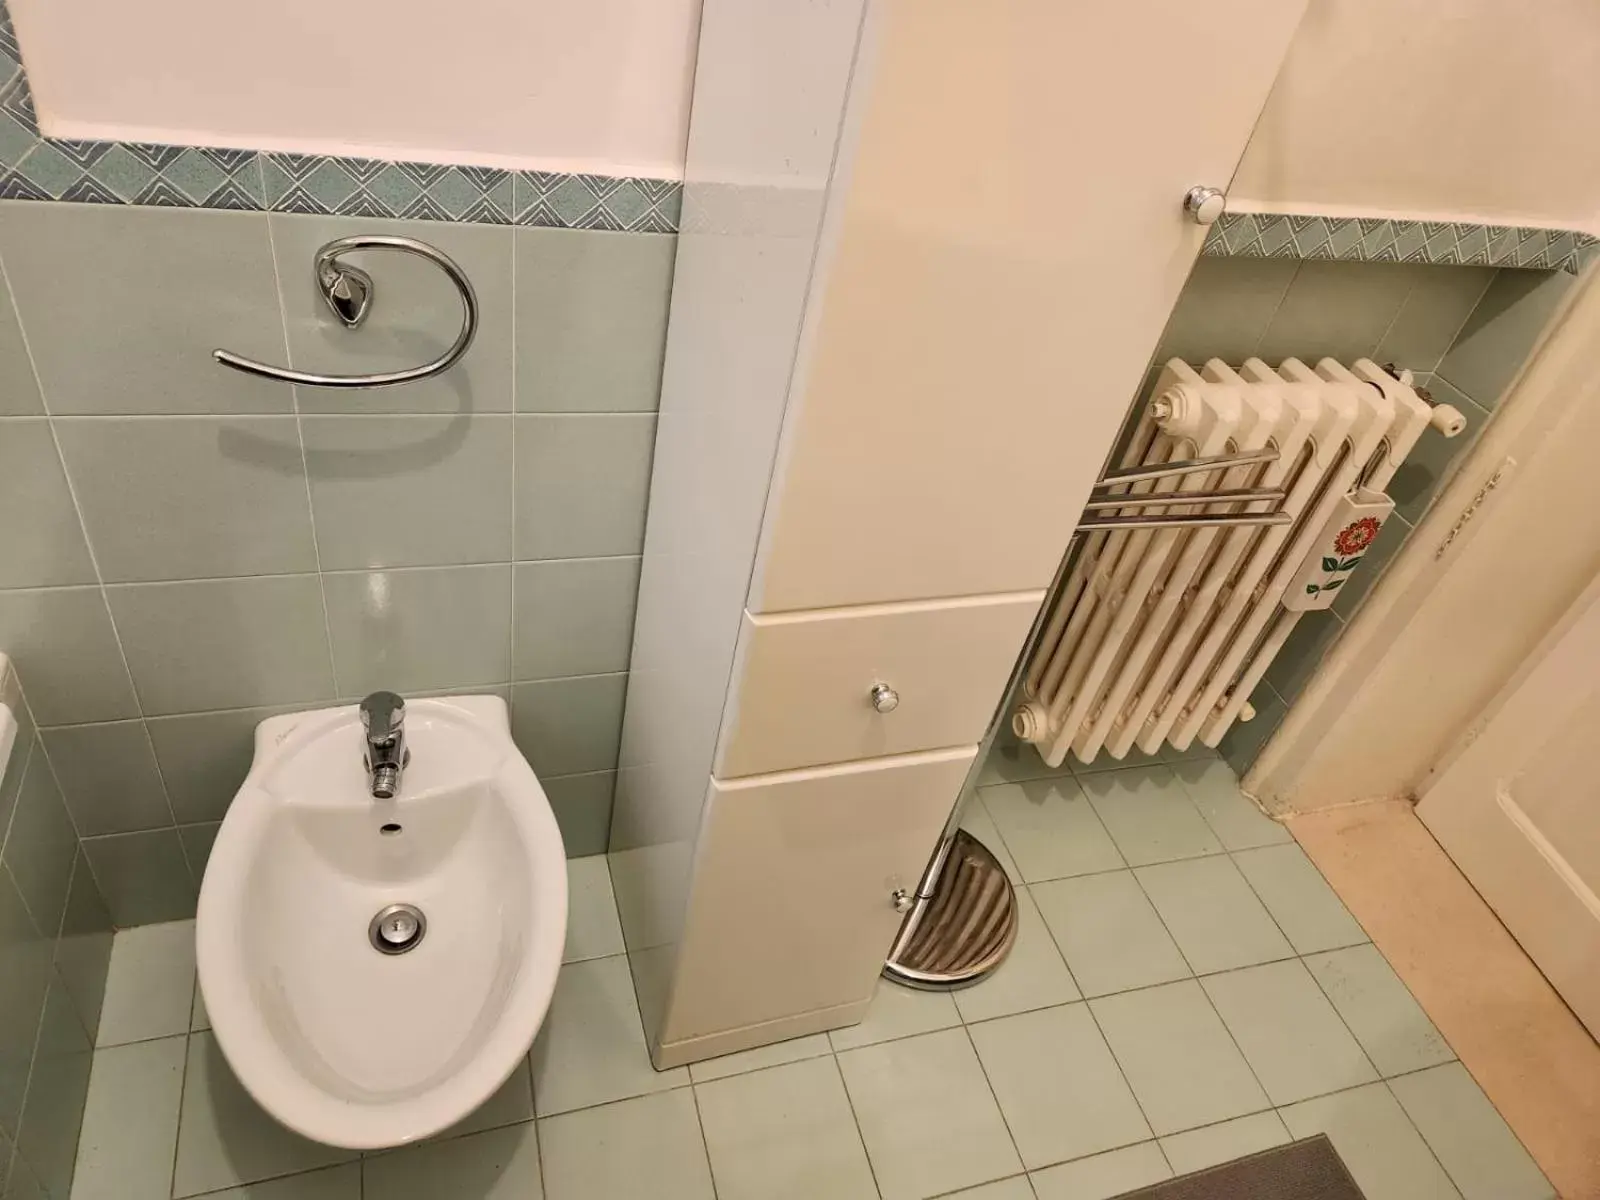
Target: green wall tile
(1243,742)
(1437,307)
(1433,458)
(1225,307)
(41,846)
(204,758)
(1298,658)
(25,976)
(1390,538)
(1497,337)
(62,643)
(1337,309)
(225,643)
(108,777)
(582,804)
(591,320)
(57,1089)
(83,951)
(569,726)
(41,539)
(143,876)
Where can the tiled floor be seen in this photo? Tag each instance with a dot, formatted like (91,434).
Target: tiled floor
(1185,989)
(1531,1055)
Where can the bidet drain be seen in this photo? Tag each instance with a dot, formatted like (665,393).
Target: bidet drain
(397,928)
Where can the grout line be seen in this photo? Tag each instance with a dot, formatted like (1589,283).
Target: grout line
(233,1189)
(1384,1083)
(27,1083)
(22,765)
(1054,945)
(1377,345)
(100,582)
(511,535)
(1266,326)
(1162,1150)
(1165,862)
(533,1119)
(1485,411)
(289,709)
(183,1086)
(479,564)
(1238,1049)
(989,1083)
(1022,1175)
(300,436)
(705,1146)
(855,1117)
(1123,1074)
(441,415)
(1456,336)
(160,1037)
(1300,958)
(261,178)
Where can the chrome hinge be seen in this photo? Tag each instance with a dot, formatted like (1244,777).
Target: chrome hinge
(1471,511)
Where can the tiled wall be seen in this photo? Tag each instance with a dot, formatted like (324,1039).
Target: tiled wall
(1465,330)
(55,946)
(203,548)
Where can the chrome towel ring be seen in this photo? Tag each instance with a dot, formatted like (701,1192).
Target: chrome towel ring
(348,292)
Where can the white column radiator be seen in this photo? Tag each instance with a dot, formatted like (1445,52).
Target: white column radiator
(1159,634)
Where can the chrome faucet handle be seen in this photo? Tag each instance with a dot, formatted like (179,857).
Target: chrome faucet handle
(382,713)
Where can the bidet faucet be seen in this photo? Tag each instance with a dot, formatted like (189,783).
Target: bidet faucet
(383,716)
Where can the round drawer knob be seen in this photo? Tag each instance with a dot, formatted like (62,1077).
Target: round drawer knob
(901,899)
(884,698)
(1204,204)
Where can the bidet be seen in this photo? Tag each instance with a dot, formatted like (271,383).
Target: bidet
(376,966)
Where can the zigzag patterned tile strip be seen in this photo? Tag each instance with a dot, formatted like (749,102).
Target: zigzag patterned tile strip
(1372,239)
(33,167)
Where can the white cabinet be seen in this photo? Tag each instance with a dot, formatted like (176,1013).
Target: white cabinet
(804,689)
(928,249)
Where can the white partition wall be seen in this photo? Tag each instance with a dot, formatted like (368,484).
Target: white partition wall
(769,100)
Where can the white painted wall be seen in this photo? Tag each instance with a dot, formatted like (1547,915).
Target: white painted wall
(579,85)
(1442,632)
(1474,110)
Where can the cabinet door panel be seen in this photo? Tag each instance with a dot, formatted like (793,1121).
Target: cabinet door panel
(791,910)
(1008,242)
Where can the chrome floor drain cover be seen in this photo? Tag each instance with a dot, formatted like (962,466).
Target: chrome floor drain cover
(397,928)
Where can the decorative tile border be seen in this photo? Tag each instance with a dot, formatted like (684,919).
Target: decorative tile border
(33,167)
(1371,239)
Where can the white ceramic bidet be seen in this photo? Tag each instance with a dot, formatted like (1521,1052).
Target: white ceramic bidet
(375,969)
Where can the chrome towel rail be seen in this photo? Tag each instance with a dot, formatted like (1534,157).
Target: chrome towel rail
(963,919)
(1202,520)
(1090,521)
(1165,499)
(1187,466)
(348,292)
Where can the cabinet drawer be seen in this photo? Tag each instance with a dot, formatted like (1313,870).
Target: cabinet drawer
(791,910)
(803,695)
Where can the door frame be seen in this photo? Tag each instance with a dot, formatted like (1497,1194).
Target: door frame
(1454,615)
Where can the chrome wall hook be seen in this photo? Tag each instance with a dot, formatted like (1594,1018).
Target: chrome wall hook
(348,292)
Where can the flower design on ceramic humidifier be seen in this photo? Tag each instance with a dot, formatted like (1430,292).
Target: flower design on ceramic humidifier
(1357,536)
(1349,544)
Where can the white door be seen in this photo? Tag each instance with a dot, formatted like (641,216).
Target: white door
(1518,806)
